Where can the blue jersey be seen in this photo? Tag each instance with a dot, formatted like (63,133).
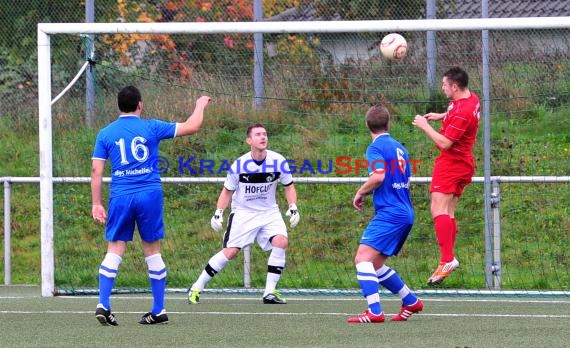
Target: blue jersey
(392,197)
(132,143)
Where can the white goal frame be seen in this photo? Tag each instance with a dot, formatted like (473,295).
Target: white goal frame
(44,30)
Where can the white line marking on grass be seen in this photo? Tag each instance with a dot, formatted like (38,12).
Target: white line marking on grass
(13,297)
(323,299)
(537,316)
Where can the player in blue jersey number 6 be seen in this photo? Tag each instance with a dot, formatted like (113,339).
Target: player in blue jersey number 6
(388,182)
(251,186)
(131,144)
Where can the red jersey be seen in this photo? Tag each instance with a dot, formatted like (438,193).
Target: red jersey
(460,125)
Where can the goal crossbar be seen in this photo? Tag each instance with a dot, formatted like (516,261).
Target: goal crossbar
(305,27)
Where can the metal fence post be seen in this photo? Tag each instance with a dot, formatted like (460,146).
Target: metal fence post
(7,234)
(496,221)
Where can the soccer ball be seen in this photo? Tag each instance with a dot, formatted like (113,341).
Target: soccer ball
(393,46)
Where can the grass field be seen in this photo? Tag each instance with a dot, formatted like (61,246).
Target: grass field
(28,320)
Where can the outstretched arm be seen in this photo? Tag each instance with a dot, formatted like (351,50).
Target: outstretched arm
(194,122)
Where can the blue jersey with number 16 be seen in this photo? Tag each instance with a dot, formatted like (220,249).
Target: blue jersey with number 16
(132,145)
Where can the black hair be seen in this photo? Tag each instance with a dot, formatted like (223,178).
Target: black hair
(459,76)
(128,99)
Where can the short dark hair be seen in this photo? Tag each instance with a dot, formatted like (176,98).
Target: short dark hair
(459,76)
(377,118)
(252,126)
(128,99)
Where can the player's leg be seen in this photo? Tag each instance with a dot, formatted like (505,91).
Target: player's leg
(394,237)
(444,231)
(107,273)
(157,274)
(213,267)
(440,204)
(443,185)
(452,207)
(148,212)
(275,266)
(368,281)
(273,236)
(118,231)
(463,181)
(238,235)
(449,179)
(390,279)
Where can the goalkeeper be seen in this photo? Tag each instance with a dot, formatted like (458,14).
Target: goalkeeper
(251,185)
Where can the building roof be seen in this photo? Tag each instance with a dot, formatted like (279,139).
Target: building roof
(455,9)
(301,13)
(507,8)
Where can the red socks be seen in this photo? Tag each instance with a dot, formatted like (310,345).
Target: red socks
(445,231)
(454,235)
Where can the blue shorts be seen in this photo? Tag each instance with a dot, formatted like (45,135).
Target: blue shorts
(386,236)
(144,208)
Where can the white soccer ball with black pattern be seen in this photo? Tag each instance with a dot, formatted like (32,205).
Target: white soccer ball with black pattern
(393,46)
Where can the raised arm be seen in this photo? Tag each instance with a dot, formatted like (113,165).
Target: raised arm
(194,121)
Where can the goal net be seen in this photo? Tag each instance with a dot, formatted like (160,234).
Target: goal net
(310,84)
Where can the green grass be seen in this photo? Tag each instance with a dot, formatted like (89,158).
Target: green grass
(316,321)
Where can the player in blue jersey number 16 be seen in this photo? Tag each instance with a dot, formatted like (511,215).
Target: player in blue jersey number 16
(131,144)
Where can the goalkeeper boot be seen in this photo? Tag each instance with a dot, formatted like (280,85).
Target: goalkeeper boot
(367,317)
(274,297)
(105,316)
(407,311)
(193,296)
(443,271)
(151,319)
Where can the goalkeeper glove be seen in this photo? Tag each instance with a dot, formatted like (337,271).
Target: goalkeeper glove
(294,214)
(217,219)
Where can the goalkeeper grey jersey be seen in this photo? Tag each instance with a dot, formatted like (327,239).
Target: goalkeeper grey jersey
(255,183)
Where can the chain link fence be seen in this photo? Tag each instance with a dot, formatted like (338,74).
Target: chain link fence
(18,72)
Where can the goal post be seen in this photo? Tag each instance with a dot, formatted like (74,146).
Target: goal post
(45,93)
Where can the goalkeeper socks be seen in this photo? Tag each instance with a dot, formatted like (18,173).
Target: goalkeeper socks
(444,234)
(366,276)
(275,265)
(389,279)
(214,266)
(157,276)
(107,274)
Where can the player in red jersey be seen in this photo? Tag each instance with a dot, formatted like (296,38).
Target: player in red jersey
(455,166)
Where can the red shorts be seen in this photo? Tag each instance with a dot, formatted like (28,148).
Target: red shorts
(451,175)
